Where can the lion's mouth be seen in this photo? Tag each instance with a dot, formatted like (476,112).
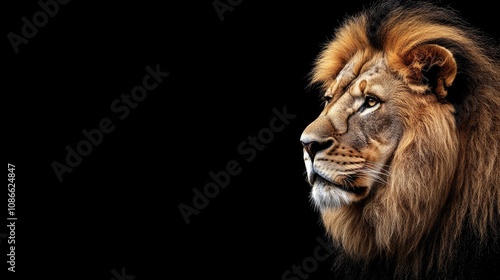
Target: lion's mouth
(357,190)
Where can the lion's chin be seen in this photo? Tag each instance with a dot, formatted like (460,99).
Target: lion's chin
(327,195)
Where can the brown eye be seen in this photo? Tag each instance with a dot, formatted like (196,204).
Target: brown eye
(371,101)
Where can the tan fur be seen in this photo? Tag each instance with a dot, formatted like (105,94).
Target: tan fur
(444,176)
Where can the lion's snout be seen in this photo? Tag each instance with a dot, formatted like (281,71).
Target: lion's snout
(318,136)
(314,146)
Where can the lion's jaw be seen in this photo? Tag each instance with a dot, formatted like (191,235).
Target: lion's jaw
(347,148)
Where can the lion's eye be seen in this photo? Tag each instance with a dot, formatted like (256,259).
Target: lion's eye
(326,99)
(371,101)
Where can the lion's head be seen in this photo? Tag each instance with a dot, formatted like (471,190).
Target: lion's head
(403,159)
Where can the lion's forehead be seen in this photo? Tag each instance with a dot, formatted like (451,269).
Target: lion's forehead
(358,76)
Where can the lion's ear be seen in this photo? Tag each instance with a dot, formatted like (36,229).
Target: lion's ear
(432,64)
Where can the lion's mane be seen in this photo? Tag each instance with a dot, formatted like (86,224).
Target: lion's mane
(440,209)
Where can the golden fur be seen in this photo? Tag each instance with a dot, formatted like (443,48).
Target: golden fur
(444,176)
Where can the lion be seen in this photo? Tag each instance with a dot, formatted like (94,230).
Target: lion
(403,159)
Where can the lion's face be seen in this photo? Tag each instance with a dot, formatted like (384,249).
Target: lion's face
(403,157)
(348,148)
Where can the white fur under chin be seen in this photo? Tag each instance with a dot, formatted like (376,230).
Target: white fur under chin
(326,197)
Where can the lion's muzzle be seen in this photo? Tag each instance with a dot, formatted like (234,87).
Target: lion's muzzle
(332,169)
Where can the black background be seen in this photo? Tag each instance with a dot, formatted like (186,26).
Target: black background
(119,207)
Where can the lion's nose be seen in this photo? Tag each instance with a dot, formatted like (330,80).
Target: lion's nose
(312,147)
(318,136)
